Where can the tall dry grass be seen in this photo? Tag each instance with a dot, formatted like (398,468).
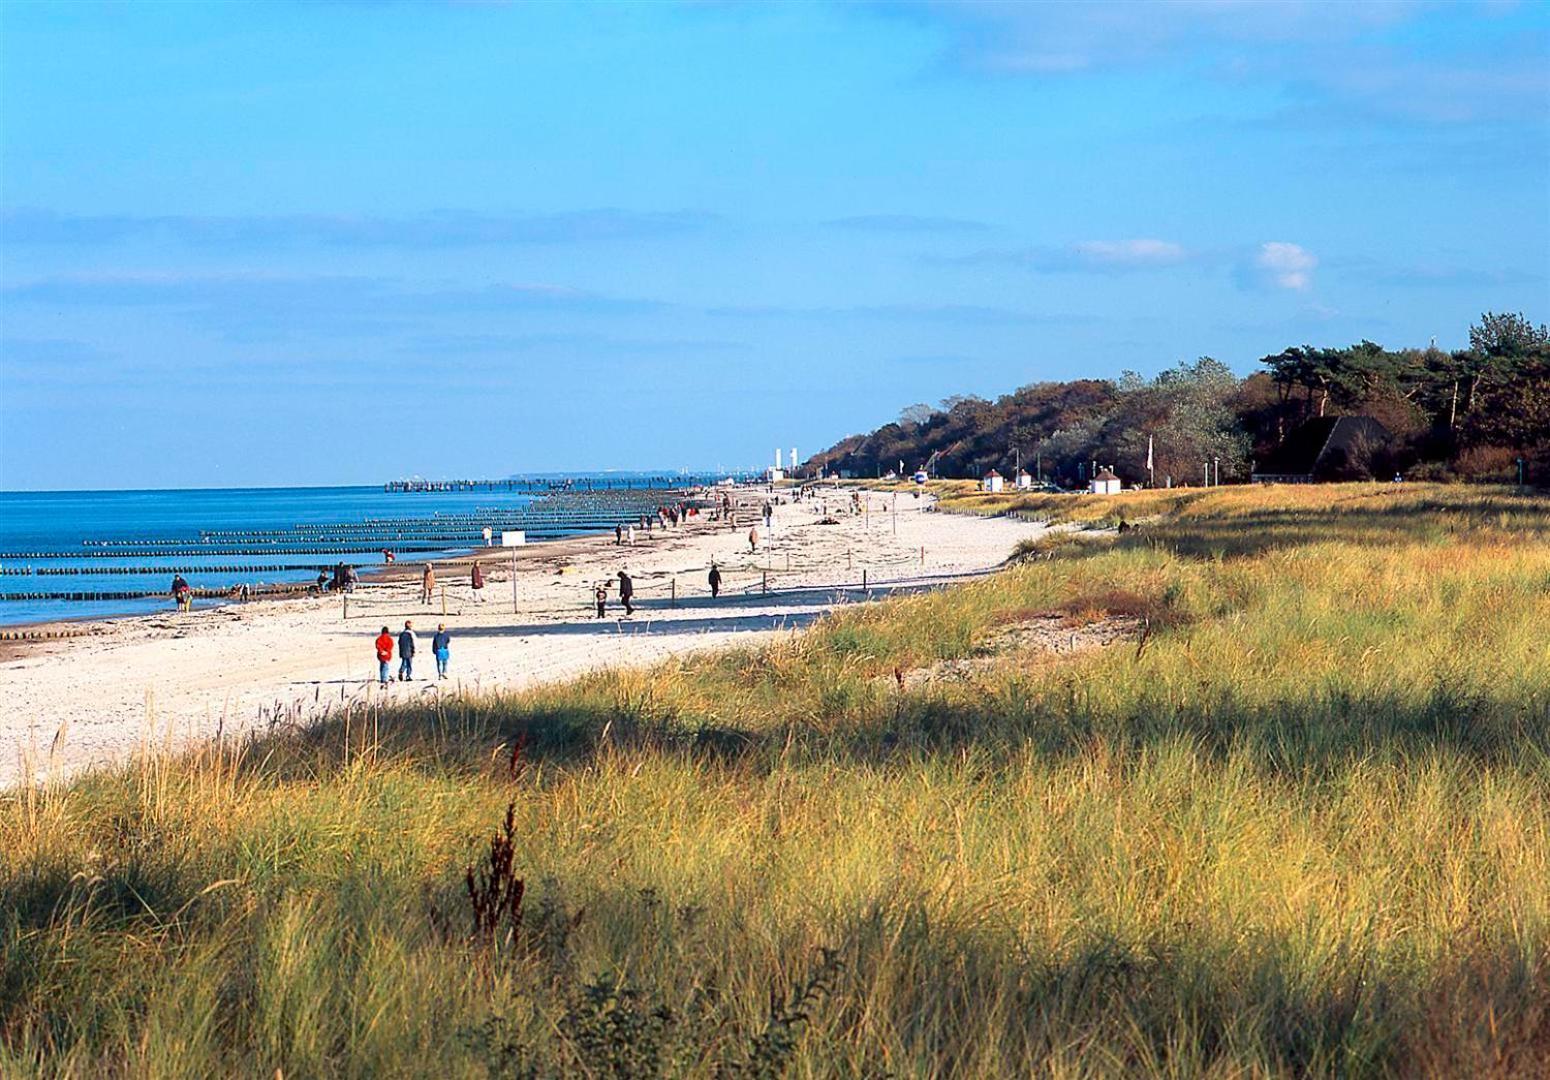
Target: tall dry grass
(1302,827)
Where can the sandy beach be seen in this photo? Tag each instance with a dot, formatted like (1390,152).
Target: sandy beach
(171,679)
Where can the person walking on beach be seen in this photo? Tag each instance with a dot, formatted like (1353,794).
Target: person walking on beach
(600,594)
(753,539)
(384,655)
(626,592)
(181,593)
(427,584)
(406,652)
(476,579)
(618,536)
(630,534)
(441,648)
(715,581)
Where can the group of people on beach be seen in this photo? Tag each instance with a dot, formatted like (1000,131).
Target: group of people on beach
(428,582)
(441,649)
(627,590)
(626,594)
(342,579)
(667,516)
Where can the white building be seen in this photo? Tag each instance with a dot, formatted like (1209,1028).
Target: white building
(993,482)
(1105,483)
(1024,480)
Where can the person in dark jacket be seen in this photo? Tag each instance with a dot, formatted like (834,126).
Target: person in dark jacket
(406,653)
(626,592)
(476,579)
(441,648)
(715,581)
(182,593)
(600,594)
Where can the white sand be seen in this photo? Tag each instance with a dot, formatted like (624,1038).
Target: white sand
(176,678)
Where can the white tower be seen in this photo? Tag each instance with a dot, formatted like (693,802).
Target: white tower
(793,459)
(777,457)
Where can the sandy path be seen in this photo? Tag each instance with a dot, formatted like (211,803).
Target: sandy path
(73,704)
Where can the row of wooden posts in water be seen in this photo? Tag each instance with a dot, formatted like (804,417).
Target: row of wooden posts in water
(560,486)
(552,515)
(102,571)
(194,552)
(148,594)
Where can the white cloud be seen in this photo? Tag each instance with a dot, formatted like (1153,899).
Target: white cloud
(1339,63)
(1285,266)
(1086,256)
(1127,253)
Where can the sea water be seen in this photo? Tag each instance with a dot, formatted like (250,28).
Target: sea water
(71,521)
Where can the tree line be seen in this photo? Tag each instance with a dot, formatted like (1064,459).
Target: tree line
(1469,413)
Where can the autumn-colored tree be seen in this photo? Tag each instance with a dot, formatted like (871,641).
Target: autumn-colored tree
(1493,396)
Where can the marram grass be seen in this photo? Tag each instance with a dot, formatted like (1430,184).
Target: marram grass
(1300,827)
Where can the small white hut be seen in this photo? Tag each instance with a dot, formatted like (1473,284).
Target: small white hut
(993,482)
(1024,480)
(1105,483)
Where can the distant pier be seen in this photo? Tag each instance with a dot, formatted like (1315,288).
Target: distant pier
(541,486)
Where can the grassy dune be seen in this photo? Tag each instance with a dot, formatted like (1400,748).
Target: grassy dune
(1300,826)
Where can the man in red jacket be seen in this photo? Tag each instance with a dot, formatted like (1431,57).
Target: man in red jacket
(384,654)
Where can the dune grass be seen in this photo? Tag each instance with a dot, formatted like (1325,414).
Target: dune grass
(1300,826)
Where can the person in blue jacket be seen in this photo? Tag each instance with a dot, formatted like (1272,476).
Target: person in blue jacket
(441,645)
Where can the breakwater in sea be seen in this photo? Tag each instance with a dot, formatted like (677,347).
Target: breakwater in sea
(275,540)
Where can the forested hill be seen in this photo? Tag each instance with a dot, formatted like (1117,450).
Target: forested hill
(1470,413)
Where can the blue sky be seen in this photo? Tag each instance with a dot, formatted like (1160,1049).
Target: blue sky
(271,243)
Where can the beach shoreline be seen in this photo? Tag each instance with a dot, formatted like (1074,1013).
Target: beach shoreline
(169,679)
(43,631)
(38,632)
